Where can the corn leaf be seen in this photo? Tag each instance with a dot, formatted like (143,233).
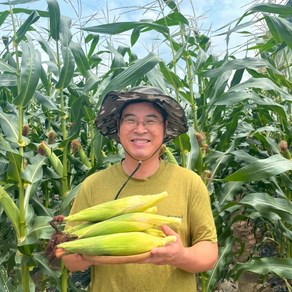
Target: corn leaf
(5,283)
(65,32)
(281,29)
(4,67)
(40,229)
(91,81)
(51,54)
(16,2)
(30,73)
(94,41)
(170,77)
(14,167)
(66,204)
(80,58)
(281,267)
(261,169)
(7,80)
(229,190)
(67,69)
(261,83)
(286,231)
(20,34)
(284,10)
(174,18)
(11,210)
(239,64)
(33,174)
(45,101)
(8,124)
(225,255)
(118,58)
(45,267)
(268,207)
(119,27)
(55,15)
(133,73)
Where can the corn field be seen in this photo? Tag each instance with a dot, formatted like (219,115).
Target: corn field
(53,77)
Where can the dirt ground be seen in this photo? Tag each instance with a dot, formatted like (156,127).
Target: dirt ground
(248,281)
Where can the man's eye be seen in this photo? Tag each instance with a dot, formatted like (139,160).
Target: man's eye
(151,122)
(129,121)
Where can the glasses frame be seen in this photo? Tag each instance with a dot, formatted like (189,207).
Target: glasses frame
(133,123)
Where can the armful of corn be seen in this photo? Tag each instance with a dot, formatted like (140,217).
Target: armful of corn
(120,227)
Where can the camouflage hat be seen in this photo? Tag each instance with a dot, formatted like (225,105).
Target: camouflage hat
(115,101)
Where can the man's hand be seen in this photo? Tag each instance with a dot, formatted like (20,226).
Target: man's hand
(200,257)
(169,254)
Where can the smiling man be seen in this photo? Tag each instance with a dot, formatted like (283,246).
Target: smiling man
(141,120)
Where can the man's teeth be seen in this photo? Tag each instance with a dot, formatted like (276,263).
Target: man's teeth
(140,141)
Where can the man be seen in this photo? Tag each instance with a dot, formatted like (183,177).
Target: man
(141,120)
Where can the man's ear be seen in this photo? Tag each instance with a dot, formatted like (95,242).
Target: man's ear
(165,127)
(118,128)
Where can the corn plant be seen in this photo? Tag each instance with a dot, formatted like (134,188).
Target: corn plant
(239,139)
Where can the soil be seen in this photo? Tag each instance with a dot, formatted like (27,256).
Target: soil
(248,281)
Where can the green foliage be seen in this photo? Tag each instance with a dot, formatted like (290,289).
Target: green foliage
(239,139)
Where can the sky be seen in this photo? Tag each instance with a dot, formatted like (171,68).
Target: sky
(208,15)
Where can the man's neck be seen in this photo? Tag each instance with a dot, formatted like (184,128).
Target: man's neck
(147,168)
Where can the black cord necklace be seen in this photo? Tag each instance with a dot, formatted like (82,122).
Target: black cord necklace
(135,170)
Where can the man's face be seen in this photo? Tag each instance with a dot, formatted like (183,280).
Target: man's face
(141,130)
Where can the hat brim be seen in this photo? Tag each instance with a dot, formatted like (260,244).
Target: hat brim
(109,113)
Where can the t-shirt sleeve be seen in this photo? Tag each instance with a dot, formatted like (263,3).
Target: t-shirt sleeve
(201,216)
(81,201)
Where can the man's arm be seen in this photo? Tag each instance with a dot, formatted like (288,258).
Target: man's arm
(198,258)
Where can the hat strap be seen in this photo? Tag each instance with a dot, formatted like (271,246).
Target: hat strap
(135,170)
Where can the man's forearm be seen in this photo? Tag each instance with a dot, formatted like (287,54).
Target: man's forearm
(199,258)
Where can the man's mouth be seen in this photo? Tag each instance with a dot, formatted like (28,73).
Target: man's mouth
(140,141)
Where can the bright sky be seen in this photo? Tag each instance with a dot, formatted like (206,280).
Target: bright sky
(209,15)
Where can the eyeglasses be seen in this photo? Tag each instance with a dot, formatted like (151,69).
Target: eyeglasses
(148,123)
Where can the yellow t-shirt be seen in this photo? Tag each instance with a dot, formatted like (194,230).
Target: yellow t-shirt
(188,198)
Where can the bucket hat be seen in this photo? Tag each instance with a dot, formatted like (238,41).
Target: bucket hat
(115,101)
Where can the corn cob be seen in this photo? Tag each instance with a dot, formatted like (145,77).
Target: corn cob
(154,219)
(154,232)
(129,222)
(100,212)
(118,244)
(108,227)
(152,210)
(53,158)
(72,229)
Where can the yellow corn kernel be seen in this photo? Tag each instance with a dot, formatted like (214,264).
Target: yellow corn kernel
(118,244)
(100,212)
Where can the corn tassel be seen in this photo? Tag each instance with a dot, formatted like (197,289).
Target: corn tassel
(118,244)
(126,223)
(100,212)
